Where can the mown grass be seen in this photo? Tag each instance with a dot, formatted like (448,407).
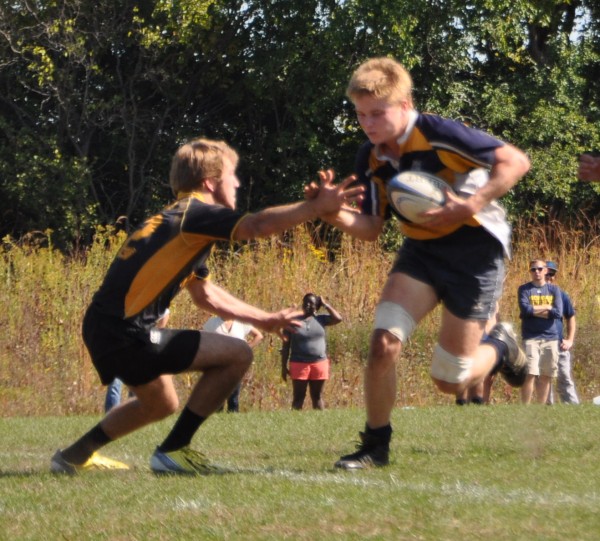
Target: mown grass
(507,472)
(45,369)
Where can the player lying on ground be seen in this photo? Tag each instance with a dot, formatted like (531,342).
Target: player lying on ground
(166,254)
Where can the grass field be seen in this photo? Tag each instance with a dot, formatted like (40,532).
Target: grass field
(493,472)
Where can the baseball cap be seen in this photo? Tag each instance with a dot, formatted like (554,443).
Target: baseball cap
(551,265)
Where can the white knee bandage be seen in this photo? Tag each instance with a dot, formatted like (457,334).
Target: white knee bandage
(448,367)
(394,319)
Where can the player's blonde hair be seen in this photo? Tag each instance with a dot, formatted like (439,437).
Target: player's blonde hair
(382,78)
(197,160)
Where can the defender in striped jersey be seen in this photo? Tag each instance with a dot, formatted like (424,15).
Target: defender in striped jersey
(166,254)
(455,258)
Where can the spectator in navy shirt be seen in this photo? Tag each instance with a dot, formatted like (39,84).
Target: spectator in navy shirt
(565,384)
(541,307)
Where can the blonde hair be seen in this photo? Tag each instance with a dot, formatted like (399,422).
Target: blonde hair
(197,160)
(382,78)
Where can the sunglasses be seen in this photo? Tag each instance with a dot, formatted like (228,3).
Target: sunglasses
(550,274)
(533,269)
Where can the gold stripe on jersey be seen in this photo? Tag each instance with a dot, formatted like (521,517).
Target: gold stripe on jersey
(450,160)
(161,269)
(455,163)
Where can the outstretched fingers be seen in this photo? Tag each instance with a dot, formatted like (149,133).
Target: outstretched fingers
(286,321)
(326,177)
(311,190)
(334,197)
(354,193)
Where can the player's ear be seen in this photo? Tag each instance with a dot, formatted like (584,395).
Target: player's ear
(210,184)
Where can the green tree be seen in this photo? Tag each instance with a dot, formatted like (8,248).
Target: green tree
(95,96)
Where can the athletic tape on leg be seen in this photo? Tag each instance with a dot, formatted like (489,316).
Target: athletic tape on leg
(450,368)
(394,319)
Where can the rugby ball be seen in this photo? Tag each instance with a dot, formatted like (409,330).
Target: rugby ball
(412,192)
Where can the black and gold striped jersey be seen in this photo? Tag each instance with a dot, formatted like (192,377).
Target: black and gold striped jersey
(158,258)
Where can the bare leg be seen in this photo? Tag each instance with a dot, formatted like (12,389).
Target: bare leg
(462,398)
(316,391)
(380,378)
(222,360)
(542,388)
(417,299)
(527,389)
(476,393)
(299,388)
(152,402)
(488,383)
(462,337)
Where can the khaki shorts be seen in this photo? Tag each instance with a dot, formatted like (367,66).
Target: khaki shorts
(542,357)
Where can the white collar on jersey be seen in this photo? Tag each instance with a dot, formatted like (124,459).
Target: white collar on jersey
(413,114)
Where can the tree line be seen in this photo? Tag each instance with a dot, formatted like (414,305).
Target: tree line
(95,96)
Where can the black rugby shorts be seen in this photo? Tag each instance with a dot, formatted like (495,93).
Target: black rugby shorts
(135,356)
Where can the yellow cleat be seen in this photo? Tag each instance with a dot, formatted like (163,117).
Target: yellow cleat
(96,462)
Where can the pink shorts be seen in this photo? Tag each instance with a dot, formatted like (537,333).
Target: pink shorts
(309,371)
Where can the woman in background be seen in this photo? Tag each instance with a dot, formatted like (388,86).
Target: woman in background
(306,351)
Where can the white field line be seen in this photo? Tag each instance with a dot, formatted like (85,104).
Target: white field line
(459,491)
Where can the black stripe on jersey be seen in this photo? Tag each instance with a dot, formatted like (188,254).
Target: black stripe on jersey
(158,257)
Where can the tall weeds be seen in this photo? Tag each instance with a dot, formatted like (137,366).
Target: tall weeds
(45,369)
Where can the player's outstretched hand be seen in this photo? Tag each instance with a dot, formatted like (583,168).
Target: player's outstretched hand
(311,190)
(286,320)
(589,168)
(330,198)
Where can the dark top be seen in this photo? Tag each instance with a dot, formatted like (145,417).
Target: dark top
(307,343)
(159,257)
(436,145)
(539,327)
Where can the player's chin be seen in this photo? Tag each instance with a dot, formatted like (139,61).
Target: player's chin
(375,138)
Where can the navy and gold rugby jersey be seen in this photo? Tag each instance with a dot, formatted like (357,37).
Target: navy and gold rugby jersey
(433,144)
(160,256)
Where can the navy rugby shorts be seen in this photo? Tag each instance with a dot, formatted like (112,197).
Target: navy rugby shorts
(465,268)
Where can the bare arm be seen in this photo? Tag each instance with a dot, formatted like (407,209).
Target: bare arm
(527,309)
(360,226)
(567,341)
(336,317)
(256,337)
(542,310)
(216,300)
(329,200)
(348,219)
(511,164)
(285,355)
